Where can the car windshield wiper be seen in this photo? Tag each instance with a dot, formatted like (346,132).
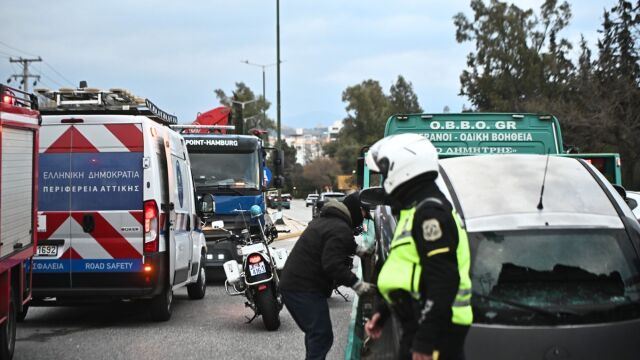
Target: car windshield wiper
(534,309)
(606,307)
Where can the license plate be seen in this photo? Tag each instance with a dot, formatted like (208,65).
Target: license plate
(47,250)
(257,269)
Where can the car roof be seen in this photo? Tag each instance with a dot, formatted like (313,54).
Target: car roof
(502,192)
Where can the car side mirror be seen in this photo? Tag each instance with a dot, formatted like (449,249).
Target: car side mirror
(620,190)
(206,206)
(373,196)
(631,202)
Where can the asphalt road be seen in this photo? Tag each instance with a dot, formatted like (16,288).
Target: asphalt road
(212,328)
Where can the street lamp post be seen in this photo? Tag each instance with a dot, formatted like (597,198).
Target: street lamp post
(263,66)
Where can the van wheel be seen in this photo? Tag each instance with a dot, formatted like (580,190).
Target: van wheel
(161,305)
(8,330)
(23,314)
(198,289)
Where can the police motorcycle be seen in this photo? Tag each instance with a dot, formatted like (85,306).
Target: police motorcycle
(257,277)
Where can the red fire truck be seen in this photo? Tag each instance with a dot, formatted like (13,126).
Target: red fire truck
(19,123)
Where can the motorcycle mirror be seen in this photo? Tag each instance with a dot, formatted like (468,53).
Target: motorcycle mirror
(218,224)
(373,196)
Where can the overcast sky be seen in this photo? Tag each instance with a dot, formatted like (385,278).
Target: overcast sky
(177,52)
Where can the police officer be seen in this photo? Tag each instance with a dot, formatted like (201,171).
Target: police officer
(320,261)
(425,279)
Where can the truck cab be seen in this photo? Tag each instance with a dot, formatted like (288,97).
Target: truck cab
(233,169)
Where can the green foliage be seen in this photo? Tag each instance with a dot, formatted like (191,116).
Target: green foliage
(402,99)
(321,173)
(521,64)
(367,112)
(291,168)
(368,109)
(254,113)
(519,55)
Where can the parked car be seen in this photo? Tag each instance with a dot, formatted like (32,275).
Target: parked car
(283,201)
(323,198)
(311,198)
(555,264)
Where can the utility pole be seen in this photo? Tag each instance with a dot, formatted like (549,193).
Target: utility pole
(25,71)
(279,146)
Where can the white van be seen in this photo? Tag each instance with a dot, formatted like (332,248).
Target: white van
(117,209)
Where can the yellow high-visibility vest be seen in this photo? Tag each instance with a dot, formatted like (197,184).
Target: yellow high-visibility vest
(402,269)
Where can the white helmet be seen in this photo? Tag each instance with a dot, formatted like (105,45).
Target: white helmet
(400,158)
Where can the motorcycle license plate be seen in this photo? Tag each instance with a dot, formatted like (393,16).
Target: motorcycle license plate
(47,250)
(257,269)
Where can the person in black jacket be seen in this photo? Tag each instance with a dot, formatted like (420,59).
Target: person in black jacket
(321,260)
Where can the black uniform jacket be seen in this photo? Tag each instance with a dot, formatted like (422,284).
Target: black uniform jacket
(436,237)
(322,255)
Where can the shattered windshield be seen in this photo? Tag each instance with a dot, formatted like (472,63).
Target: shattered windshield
(233,170)
(554,276)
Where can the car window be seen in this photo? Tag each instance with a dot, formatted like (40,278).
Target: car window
(494,182)
(590,272)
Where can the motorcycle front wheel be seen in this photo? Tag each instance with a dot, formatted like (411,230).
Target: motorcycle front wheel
(268,307)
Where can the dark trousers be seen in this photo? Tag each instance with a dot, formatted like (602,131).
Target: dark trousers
(311,312)
(450,343)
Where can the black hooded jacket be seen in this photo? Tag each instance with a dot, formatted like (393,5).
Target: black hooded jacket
(322,255)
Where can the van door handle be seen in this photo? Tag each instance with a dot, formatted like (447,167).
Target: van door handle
(88,223)
(168,207)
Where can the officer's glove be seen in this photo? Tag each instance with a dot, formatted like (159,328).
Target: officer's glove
(363,250)
(364,288)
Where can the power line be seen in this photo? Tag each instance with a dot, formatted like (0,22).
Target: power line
(39,70)
(6,53)
(30,54)
(59,74)
(16,49)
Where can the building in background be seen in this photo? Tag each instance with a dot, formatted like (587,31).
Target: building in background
(332,132)
(309,142)
(308,146)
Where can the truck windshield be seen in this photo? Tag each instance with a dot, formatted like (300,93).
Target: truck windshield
(232,170)
(576,276)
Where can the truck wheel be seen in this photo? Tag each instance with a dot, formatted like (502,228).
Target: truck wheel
(268,307)
(8,330)
(161,305)
(198,289)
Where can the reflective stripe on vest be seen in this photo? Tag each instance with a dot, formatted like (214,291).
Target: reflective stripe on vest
(402,269)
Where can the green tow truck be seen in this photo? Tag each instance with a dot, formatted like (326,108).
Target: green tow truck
(462,134)
(497,133)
